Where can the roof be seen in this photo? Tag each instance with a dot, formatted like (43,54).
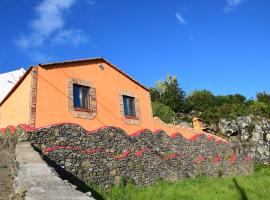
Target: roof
(8,80)
(101,59)
(24,74)
(15,86)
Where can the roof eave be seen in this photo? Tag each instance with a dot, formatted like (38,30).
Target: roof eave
(94,59)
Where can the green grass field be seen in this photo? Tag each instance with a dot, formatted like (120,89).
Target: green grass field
(253,187)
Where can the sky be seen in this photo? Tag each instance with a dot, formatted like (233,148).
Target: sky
(218,45)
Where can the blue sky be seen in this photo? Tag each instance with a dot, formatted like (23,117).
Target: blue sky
(220,45)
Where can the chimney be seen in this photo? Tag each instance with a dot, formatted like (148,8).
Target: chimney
(197,123)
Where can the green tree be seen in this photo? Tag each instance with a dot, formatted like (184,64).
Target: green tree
(201,100)
(259,108)
(165,113)
(230,99)
(263,97)
(154,93)
(169,93)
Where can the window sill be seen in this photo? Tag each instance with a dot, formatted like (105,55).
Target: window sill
(130,117)
(82,110)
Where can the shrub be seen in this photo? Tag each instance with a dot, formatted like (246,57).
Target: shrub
(259,108)
(165,113)
(230,99)
(170,100)
(169,93)
(263,97)
(201,100)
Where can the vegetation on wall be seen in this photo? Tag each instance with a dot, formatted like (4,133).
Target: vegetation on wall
(170,102)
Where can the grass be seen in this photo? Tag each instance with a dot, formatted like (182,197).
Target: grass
(253,187)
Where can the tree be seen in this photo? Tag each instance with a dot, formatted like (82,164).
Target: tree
(165,113)
(230,99)
(155,95)
(263,97)
(201,100)
(171,94)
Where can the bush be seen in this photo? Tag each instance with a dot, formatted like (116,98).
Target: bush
(227,111)
(201,100)
(172,100)
(230,99)
(169,93)
(263,97)
(165,113)
(259,108)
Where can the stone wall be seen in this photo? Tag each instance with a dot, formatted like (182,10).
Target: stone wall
(249,135)
(108,156)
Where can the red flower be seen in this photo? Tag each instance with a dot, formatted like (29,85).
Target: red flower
(174,135)
(123,155)
(247,158)
(216,159)
(92,151)
(138,132)
(193,138)
(50,149)
(158,131)
(171,156)
(140,152)
(233,158)
(2,130)
(219,142)
(11,128)
(26,127)
(210,137)
(199,159)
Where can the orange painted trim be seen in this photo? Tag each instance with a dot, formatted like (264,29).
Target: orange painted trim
(93,59)
(16,85)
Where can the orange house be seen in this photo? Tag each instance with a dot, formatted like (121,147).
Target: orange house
(89,92)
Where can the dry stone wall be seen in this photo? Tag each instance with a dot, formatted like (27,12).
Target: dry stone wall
(108,156)
(250,135)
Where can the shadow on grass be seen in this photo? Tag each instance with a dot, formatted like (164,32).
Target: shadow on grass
(65,175)
(240,190)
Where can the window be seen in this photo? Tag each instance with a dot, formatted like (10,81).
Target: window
(81,97)
(82,101)
(129,106)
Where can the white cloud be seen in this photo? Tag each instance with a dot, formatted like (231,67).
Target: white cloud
(74,36)
(231,4)
(180,18)
(49,26)
(49,20)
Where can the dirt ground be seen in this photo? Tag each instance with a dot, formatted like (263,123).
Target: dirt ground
(7,148)
(6,180)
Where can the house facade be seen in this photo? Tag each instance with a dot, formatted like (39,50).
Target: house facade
(90,92)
